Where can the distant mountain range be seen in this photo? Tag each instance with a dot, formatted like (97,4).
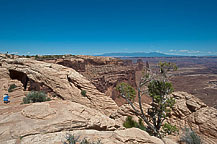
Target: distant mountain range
(137,54)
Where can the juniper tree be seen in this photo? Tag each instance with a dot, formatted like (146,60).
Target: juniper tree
(158,87)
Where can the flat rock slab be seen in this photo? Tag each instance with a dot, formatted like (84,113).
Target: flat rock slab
(128,136)
(50,117)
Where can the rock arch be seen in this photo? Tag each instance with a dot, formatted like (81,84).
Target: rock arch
(19,76)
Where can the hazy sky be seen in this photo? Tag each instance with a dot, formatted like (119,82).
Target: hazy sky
(185,27)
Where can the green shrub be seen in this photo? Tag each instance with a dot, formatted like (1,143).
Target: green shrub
(169,129)
(13,86)
(129,123)
(83,93)
(21,137)
(72,139)
(190,137)
(158,88)
(54,95)
(36,56)
(35,96)
(85,141)
(141,125)
(126,90)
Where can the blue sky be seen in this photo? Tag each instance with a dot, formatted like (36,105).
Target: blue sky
(184,27)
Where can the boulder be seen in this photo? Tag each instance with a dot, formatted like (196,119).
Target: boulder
(190,111)
(205,121)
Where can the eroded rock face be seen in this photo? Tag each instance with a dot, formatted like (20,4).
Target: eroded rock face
(103,72)
(76,64)
(190,102)
(50,117)
(15,96)
(128,136)
(64,82)
(79,62)
(48,122)
(205,121)
(108,76)
(4,73)
(39,111)
(190,111)
(126,110)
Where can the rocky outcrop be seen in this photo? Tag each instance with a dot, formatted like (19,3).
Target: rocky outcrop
(190,111)
(76,64)
(50,117)
(128,136)
(103,72)
(126,110)
(4,73)
(63,82)
(98,60)
(205,121)
(49,122)
(15,96)
(94,116)
(79,62)
(108,76)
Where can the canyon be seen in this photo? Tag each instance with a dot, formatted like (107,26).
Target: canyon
(97,115)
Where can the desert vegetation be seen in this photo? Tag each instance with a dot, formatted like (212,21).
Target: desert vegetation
(11,87)
(157,86)
(190,137)
(35,96)
(127,90)
(83,93)
(129,123)
(72,139)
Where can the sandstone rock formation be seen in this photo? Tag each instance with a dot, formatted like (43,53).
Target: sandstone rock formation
(106,77)
(61,81)
(94,116)
(48,122)
(79,62)
(76,64)
(16,96)
(103,72)
(125,110)
(51,117)
(190,111)
(128,136)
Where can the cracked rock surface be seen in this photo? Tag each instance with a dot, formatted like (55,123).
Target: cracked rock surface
(128,136)
(50,117)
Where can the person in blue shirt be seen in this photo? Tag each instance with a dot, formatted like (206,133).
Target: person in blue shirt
(6,98)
